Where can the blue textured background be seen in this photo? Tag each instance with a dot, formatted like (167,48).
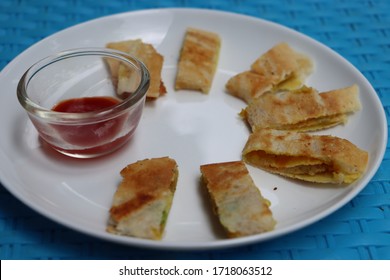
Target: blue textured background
(358,30)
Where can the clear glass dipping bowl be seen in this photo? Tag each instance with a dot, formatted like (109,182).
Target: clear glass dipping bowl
(84,77)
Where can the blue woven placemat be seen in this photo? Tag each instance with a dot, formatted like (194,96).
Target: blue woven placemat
(358,30)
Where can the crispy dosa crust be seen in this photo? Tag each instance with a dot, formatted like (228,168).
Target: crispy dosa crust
(237,202)
(302,110)
(198,60)
(314,158)
(280,68)
(143,199)
(149,56)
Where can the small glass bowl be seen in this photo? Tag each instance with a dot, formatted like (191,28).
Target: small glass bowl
(61,95)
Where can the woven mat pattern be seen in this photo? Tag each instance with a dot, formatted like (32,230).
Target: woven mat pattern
(358,30)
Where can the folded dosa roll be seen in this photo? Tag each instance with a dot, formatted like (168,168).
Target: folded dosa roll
(281,63)
(248,86)
(314,158)
(280,68)
(302,110)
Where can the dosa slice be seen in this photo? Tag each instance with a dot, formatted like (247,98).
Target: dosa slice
(248,86)
(198,60)
(280,68)
(303,109)
(283,66)
(149,56)
(313,158)
(236,200)
(142,202)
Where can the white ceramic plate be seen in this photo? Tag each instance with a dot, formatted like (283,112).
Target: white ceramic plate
(190,127)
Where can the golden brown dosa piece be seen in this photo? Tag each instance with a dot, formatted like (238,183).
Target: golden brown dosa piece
(302,110)
(145,53)
(198,60)
(281,63)
(280,68)
(236,200)
(313,158)
(248,86)
(142,202)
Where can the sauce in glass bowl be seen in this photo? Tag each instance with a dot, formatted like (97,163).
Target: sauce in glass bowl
(98,136)
(72,99)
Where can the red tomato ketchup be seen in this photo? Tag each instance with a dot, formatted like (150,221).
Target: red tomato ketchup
(96,137)
(85,104)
